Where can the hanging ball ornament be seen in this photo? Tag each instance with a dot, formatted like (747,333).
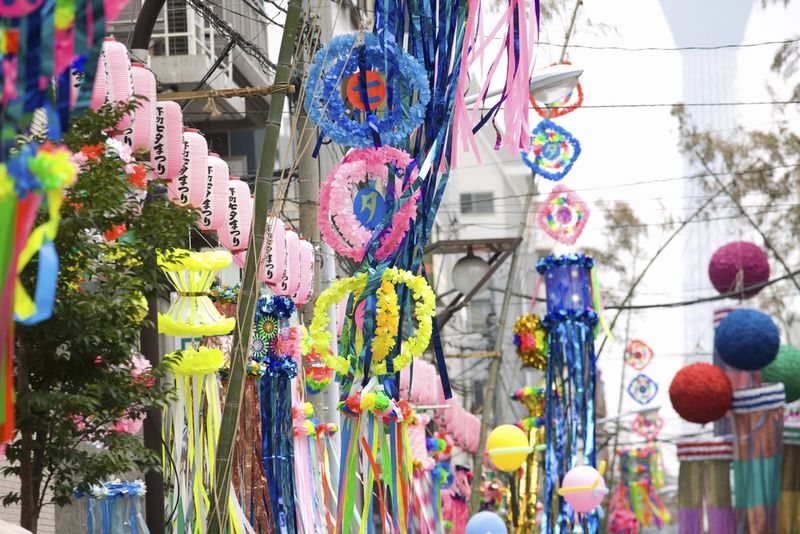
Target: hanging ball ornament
(530,339)
(737,266)
(508,447)
(785,368)
(747,339)
(486,523)
(701,393)
(583,488)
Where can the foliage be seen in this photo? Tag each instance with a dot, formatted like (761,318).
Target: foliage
(76,372)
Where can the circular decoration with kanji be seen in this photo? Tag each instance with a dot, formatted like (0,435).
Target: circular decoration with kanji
(563,215)
(361,93)
(553,151)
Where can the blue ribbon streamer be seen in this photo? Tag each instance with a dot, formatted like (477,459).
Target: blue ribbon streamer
(46,280)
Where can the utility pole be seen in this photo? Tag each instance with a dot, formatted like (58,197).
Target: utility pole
(249,293)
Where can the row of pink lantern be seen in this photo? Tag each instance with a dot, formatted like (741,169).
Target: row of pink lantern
(454,419)
(198,178)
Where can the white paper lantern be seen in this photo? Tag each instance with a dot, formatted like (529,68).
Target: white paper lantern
(215,198)
(274,264)
(141,134)
(166,157)
(234,234)
(306,282)
(189,188)
(119,79)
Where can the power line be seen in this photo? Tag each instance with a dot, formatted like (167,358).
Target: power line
(673,49)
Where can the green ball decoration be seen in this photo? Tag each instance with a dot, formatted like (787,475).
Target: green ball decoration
(785,368)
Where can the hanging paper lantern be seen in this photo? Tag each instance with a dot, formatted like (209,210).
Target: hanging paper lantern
(306,282)
(215,198)
(402,106)
(583,488)
(348,216)
(563,215)
(116,67)
(190,187)
(642,389)
(18,8)
(274,265)
(737,266)
(143,129)
(530,339)
(701,393)
(234,234)
(747,339)
(508,447)
(291,276)
(193,313)
(785,368)
(638,354)
(486,523)
(553,151)
(166,157)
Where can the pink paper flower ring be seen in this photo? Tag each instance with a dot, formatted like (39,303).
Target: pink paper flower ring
(340,226)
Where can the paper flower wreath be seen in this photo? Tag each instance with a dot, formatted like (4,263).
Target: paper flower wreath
(642,389)
(348,216)
(553,151)
(563,215)
(391,115)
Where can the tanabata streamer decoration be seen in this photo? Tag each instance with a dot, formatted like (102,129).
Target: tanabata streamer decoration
(348,217)
(641,480)
(737,267)
(192,313)
(704,478)
(527,480)
(275,344)
(366,65)
(642,389)
(191,437)
(785,368)
(530,340)
(747,339)
(553,151)
(570,383)
(115,507)
(790,494)
(36,49)
(563,215)
(701,393)
(638,354)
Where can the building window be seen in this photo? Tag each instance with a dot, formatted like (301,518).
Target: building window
(478,202)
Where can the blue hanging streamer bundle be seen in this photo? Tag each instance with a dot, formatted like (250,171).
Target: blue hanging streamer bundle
(115,508)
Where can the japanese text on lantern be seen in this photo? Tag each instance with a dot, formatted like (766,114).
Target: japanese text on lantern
(159,158)
(233,217)
(207,200)
(183,179)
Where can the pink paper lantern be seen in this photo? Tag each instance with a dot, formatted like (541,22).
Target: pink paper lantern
(234,235)
(119,79)
(291,277)
(18,8)
(738,265)
(589,496)
(189,188)
(306,284)
(113,8)
(215,198)
(143,130)
(166,157)
(274,265)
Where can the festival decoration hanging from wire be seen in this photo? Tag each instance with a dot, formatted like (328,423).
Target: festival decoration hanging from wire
(553,151)
(563,215)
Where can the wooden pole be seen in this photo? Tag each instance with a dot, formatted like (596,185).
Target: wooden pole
(249,292)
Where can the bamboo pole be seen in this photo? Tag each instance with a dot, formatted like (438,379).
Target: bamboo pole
(226,93)
(249,292)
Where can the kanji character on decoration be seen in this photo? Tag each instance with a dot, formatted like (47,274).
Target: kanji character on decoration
(642,389)
(638,354)
(553,151)
(341,62)
(564,215)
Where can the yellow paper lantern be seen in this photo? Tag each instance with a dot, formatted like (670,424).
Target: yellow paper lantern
(508,447)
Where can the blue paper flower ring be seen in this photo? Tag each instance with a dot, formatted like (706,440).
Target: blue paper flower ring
(553,151)
(362,94)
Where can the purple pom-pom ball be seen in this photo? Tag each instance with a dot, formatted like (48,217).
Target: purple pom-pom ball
(739,265)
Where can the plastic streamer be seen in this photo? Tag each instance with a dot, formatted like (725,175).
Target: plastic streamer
(115,507)
(191,434)
(641,479)
(570,385)
(527,480)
